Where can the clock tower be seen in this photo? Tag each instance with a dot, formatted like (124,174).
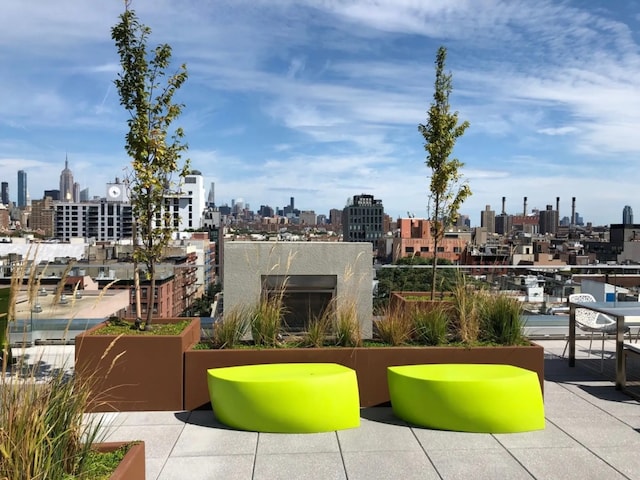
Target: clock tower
(116,192)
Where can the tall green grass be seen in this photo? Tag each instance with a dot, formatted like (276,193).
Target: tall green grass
(42,432)
(267,319)
(432,325)
(231,328)
(319,329)
(395,327)
(347,325)
(502,320)
(467,307)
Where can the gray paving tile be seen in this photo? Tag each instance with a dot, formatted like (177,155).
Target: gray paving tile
(488,464)
(197,440)
(377,436)
(632,420)
(592,433)
(625,460)
(159,439)
(269,443)
(570,405)
(560,463)
(299,466)
(388,465)
(150,418)
(153,467)
(227,467)
(445,440)
(550,437)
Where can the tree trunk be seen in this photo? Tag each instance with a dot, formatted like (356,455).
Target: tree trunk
(434,265)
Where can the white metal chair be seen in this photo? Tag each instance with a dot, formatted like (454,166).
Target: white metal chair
(594,322)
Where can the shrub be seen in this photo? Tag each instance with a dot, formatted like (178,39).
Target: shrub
(432,325)
(502,320)
(395,327)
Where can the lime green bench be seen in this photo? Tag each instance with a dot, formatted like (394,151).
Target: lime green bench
(285,397)
(467,397)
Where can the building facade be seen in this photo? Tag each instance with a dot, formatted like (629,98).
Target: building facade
(362,220)
(104,220)
(414,239)
(548,221)
(488,219)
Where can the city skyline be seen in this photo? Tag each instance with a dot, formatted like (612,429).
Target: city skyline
(321,100)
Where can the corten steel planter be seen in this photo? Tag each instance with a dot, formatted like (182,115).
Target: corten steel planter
(132,466)
(138,372)
(370,364)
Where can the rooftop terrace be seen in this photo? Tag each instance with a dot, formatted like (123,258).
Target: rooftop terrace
(592,432)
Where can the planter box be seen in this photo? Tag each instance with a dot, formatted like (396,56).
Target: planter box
(370,364)
(132,466)
(135,372)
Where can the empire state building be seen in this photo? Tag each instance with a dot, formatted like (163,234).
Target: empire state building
(66,184)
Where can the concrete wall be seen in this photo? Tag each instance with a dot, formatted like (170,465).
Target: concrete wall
(351,262)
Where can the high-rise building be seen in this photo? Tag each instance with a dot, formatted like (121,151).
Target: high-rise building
(488,219)
(5,193)
(66,184)
(211,199)
(335,216)
(627,215)
(22,188)
(362,219)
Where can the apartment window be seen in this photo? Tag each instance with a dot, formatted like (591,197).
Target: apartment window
(424,249)
(408,250)
(440,249)
(456,249)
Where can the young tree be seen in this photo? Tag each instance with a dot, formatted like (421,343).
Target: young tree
(447,190)
(146,91)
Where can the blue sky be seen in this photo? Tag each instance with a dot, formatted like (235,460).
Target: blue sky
(320,99)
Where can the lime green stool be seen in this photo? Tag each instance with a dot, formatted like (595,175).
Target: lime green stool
(285,397)
(467,397)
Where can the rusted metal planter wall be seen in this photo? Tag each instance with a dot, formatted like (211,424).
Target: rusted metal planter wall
(135,372)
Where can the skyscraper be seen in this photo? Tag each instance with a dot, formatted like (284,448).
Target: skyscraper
(66,183)
(22,188)
(627,215)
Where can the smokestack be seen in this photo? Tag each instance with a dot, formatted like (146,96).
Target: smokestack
(504,212)
(573,210)
(558,205)
(525,206)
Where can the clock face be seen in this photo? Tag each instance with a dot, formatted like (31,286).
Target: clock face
(114,192)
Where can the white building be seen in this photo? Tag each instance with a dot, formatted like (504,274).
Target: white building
(111,218)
